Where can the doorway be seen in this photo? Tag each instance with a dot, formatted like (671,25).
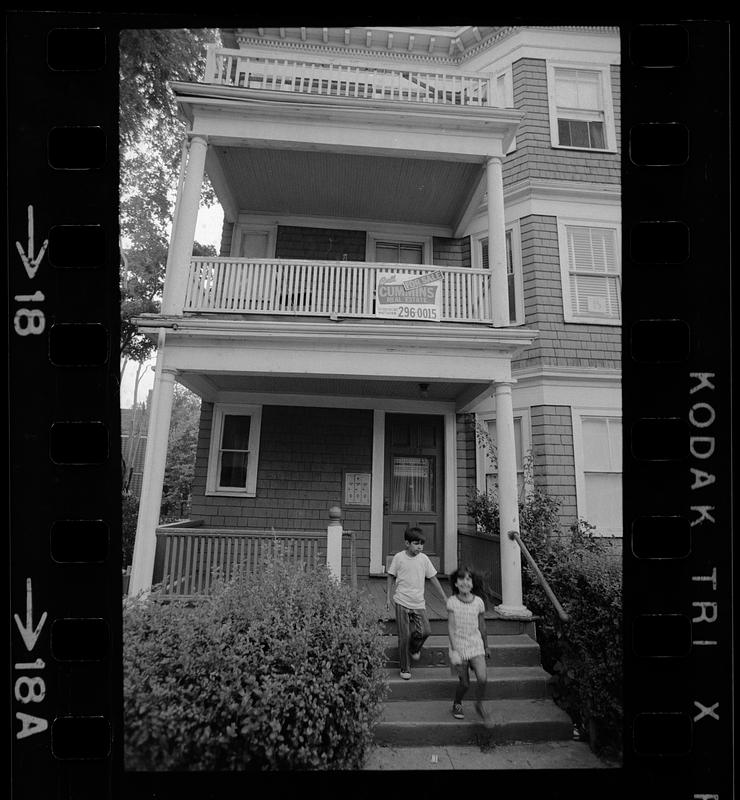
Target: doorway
(413,491)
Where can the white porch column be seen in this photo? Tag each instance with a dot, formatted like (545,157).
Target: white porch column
(511,566)
(334,542)
(183,232)
(497,243)
(150,502)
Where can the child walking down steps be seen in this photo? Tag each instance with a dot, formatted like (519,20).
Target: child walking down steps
(468,639)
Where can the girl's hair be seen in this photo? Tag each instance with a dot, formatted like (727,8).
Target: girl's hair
(461,572)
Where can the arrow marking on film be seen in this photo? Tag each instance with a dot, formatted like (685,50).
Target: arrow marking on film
(27,631)
(29,262)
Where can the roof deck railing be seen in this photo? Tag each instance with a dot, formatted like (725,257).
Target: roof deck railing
(228,67)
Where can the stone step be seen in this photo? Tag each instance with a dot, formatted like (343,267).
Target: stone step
(433,683)
(517,650)
(430,722)
(495,626)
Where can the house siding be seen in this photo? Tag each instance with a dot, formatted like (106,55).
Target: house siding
(448,252)
(326,244)
(558,342)
(535,157)
(227,234)
(466,470)
(552,453)
(303,455)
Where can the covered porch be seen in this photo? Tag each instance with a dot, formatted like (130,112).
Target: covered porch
(331,405)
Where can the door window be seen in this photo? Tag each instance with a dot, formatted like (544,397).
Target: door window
(412,485)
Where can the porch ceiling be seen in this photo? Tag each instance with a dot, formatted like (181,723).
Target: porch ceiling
(442,391)
(348,185)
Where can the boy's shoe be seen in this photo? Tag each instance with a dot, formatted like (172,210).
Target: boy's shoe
(457,711)
(415,656)
(406,675)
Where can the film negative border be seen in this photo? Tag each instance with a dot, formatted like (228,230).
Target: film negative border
(65,593)
(64,431)
(678,629)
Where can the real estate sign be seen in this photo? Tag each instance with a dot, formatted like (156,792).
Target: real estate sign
(402,297)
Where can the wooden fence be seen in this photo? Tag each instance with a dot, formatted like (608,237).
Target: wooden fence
(190,558)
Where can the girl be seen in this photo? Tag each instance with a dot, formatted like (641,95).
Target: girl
(468,641)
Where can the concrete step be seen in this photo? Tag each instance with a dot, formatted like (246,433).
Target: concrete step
(430,722)
(518,650)
(433,683)
(495,626)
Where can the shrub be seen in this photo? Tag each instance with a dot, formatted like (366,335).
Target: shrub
(284,671)
(129,516)
(584,655)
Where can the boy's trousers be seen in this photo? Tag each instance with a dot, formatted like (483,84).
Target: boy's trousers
(413,631)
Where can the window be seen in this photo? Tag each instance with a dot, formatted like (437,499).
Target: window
(581,113)
(591,274)
(399,252)
(598,457)
(513,273)
(253,241)
(522,444)
(389,247)
(234,451)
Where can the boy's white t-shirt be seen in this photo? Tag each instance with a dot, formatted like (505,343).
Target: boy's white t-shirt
(410,572)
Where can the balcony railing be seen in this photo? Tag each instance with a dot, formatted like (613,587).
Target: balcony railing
(235,68)
(325,288)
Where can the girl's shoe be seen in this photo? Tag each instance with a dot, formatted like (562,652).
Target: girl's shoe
(406,675)
(457,711)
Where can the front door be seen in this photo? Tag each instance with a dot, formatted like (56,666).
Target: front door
(413,493)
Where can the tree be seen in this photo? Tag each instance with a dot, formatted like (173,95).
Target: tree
(151,136)
(181,448)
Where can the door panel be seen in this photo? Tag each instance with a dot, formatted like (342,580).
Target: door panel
(414,481)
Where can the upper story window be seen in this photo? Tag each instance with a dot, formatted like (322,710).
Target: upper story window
(234,451)
(581,114)
(513,271)
(253,241)
(590,268)
(399,252)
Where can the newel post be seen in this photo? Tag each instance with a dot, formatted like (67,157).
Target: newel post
(334,542)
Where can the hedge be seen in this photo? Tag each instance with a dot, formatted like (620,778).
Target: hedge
(283,672)
(584,655)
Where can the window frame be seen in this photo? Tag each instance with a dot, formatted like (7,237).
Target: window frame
(476,256)
(569,315)
(481,457)
(604,73)
(577,415)
(373,237)
(241,228)
(220,412)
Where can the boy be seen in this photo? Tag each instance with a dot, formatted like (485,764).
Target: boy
(410,568)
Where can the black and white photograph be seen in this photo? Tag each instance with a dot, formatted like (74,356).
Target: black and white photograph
(371,398)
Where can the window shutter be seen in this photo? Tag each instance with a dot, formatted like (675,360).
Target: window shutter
(593,269)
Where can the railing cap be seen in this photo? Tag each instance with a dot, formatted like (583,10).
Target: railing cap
(335,512)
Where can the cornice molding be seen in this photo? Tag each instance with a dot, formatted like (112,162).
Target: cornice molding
(456,59)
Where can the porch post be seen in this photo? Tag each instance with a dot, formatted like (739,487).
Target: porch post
(497,243)
(334,542)
(183,232)
(511,566)
(142,568)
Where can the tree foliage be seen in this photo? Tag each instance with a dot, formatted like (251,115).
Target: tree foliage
(151,137)
(180,466)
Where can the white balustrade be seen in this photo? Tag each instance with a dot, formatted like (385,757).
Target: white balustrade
(234,68)
(323,288)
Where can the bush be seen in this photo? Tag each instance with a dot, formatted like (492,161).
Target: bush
(129,516)
(584,655)
(284,671)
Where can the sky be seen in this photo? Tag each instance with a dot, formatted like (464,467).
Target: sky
(207,231)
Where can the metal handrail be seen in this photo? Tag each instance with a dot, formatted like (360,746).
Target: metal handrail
(514,536)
